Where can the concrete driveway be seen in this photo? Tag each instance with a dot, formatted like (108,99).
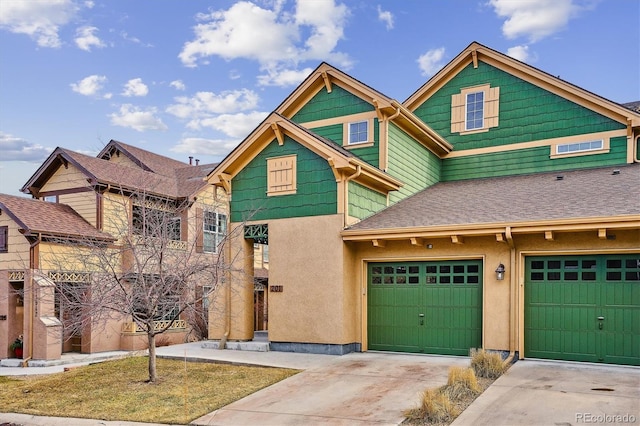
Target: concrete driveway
(558,393)
(354,389)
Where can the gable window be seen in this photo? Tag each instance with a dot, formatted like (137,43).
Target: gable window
(575,147)
(475,109)
(358,132)
(4,239)
(281,175)
(214,230)
(567,148)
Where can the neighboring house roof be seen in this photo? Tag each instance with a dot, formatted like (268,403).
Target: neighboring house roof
(52,219)
(477,52)
(147,160)
(594,194)
(174,179)
(275,126)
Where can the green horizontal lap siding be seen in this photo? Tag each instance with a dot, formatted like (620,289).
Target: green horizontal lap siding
(448,295)
(363,202)
(330,105)
(530,160)
(316,187)
(565,295)
(412,163)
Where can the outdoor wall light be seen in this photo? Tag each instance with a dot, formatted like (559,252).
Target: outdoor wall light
(500,272)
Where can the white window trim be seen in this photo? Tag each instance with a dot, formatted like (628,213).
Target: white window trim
(347,133)
(466,110)
(591,151)
(217,235)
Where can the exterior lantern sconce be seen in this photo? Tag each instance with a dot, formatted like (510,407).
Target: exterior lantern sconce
(500,272)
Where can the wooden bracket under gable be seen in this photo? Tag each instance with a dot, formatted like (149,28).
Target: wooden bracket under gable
(327,82)
(334,169)
(379,114)
(602,233)
(225,181)
(278,133)
(416,241)
(474,56)
(548,235)
(500,238)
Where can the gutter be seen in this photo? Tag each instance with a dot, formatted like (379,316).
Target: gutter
(512,295)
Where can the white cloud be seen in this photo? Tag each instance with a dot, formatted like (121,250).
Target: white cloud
(520,53)
(215,147)
(272,37)
(39,19)
(386,17)
(534,19)
(91,86)
(178,85)
(135,87)
(233,125)
(283,78)
(137,118)
(86,38)
(204,104)
(13,148)
(431,62)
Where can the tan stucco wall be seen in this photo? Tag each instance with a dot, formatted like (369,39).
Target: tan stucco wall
(306,258)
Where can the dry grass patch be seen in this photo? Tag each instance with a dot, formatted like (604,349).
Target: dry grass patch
(487,364)
(117,390)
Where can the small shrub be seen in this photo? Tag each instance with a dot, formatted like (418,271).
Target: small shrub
(435,407)
(487,364)
(462,383)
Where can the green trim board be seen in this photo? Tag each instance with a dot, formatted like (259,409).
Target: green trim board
(316,192)
(425,307)
(583,308)
(527,112)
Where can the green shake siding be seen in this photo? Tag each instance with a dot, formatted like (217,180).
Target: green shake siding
(316,187)
(412,163)
(370,154)
(330,105)
(531,113)
(531,160)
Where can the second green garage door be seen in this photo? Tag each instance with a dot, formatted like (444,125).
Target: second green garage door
(425,307)
(583,308)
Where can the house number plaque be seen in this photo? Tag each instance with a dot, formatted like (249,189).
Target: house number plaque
(276,289)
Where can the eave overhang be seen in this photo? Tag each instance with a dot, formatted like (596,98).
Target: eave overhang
(597,224)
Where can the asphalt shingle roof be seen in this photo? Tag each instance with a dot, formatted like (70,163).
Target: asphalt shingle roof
(36,216)
(589,193)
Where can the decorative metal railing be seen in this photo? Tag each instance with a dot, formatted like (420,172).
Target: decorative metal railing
(132,327)
(70,277)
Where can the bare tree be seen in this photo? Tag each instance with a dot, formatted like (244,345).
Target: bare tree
(153,274)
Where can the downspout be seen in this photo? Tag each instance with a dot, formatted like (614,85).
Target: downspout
(512,295)
(32,302)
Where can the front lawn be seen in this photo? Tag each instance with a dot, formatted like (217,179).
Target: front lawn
(117,390)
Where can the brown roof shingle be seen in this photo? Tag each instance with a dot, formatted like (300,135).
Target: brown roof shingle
(35,216)
(589,193)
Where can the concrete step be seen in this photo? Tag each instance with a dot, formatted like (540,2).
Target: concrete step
(239,346)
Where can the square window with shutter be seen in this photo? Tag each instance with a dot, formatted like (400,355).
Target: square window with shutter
(281,175)
(475,109)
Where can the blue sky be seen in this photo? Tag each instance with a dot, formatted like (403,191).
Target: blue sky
(185,78)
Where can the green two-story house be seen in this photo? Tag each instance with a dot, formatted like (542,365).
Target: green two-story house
(496,207)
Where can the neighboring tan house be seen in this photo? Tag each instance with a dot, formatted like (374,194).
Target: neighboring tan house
(498,207)
(85,203)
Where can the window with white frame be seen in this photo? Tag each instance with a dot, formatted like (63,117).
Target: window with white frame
(359,132)
(475,111)
(214,230)
(568,148)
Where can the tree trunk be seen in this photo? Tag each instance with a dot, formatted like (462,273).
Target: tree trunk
(152,357)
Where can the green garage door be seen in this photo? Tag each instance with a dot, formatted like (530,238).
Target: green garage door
(583,308)
(425,307)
